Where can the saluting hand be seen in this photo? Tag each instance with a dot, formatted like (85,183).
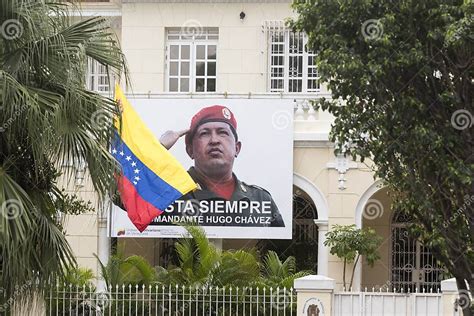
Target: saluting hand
(169,138)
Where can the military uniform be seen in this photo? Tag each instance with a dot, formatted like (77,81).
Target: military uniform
(244,194)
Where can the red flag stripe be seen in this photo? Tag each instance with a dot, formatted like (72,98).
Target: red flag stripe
(140,212)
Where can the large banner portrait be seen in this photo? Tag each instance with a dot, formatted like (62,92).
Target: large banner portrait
(240,154)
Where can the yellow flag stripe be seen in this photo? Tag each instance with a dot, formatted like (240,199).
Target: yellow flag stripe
(143,143)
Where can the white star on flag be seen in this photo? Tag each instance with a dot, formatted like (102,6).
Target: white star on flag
(137,170)
(122,153)
(137,178)
(114,151)
(135,182)
(134,163)
(128,158)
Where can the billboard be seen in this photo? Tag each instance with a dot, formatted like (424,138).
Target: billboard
(238,151)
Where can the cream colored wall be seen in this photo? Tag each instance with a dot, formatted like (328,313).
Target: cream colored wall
(241,52)
(311,163)
(379,275)
(81,230)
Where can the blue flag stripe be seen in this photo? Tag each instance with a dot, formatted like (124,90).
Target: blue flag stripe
(150,186)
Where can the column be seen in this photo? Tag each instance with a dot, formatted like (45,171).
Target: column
(103,247)
(314,295)
(449,291)
(323,251)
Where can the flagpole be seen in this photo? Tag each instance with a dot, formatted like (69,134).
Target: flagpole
(103,247)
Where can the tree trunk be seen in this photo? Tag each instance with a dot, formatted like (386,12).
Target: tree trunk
(353,270)
(33,304)
(344,275)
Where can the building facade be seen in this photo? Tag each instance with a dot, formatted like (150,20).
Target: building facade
(241,49)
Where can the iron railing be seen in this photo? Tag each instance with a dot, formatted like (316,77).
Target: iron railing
(170,300)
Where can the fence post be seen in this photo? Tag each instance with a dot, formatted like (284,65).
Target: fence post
(449,291)
(314,294)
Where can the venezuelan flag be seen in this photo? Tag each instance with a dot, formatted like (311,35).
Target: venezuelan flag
(151,178)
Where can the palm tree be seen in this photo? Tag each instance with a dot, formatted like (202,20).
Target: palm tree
(132,270)
(47,118)
(79,276)
(202,265)
(280,274)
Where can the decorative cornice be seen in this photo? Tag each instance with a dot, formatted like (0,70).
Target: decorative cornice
(107,9)
(311,140)
(321,223)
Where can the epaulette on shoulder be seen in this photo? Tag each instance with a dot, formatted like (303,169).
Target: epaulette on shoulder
(256,187)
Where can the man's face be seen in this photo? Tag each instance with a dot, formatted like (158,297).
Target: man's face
(214,148)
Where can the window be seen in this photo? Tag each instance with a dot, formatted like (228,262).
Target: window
(97,77)
(191,60)
(291,65)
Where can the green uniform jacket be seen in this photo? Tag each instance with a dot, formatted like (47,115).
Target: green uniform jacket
(249,206)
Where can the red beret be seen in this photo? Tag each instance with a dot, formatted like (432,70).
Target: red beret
(215,113)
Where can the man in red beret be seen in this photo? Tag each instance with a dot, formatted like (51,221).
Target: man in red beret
(221,199)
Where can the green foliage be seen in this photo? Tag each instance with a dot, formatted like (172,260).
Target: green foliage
(349,243)
(73,205)
(78,276)
(237,267)
(48,119)
(202,265)
(401,78)
(305,252)
(280,274)
(133,270)
(71,292)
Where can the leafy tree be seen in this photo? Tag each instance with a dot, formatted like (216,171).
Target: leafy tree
(401,78)
(47,119)
(349,243)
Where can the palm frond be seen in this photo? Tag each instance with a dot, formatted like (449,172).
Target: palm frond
(47,120)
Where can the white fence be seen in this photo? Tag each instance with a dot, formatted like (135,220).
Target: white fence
(171,300)
(387,304)
(314,296)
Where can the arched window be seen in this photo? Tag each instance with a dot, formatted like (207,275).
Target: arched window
(304,243)
(304,214)
(413,265)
